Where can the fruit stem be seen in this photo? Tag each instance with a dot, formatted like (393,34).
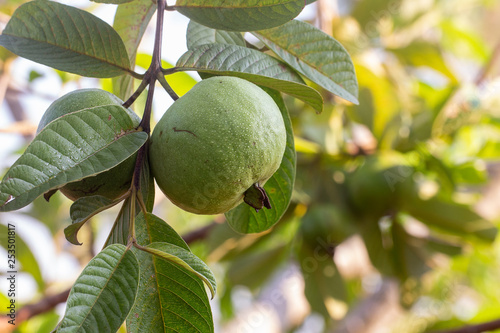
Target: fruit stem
(146,118)
(131,230)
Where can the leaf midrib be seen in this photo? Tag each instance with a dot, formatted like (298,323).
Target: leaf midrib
(158,287)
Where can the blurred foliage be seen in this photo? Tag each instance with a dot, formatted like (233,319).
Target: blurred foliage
(403,171)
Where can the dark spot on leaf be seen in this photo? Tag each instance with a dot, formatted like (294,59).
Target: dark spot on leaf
(109,117)
(161,133)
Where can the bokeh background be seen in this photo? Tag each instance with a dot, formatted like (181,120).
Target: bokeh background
(392,226)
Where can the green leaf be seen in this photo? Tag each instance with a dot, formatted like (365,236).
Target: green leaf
(450,217)
(375,239)
(245,219)
(321,277)
(198,34)
(315,55)
(442,246)
(455,38)
(393,251)
(121,228)
(70,148)
(65,38)
(185,259)
(147,184)
(115,2)
(240,15)
(131,21)
(104,293)
(378,104)
(422,53)
(409,254)
(82,210)
(368,12)
(23,255)
(254,268)
(170,298)
(252,65)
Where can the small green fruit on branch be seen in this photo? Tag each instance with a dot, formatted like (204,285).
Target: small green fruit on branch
(112,183)
(215,142)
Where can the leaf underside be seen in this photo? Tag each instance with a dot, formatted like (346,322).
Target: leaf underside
(198,34)
(315,55)
(81,211)
(104,293)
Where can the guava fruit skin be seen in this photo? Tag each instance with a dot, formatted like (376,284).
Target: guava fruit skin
(215,142)
(111,183)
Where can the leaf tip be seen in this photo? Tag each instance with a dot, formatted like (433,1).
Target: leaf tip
(71,236)
(47,195)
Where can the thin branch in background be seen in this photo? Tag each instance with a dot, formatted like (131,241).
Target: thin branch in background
(326,12)
(488,66)
(199,234)
(30,310)
(479,328)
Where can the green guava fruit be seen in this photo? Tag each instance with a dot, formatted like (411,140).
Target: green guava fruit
(381,183)
(326,223)
(111,183)
(219,142)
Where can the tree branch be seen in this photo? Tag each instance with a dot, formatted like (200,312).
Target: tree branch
(199,234)
(489,65)
(30,310)
(479,328)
